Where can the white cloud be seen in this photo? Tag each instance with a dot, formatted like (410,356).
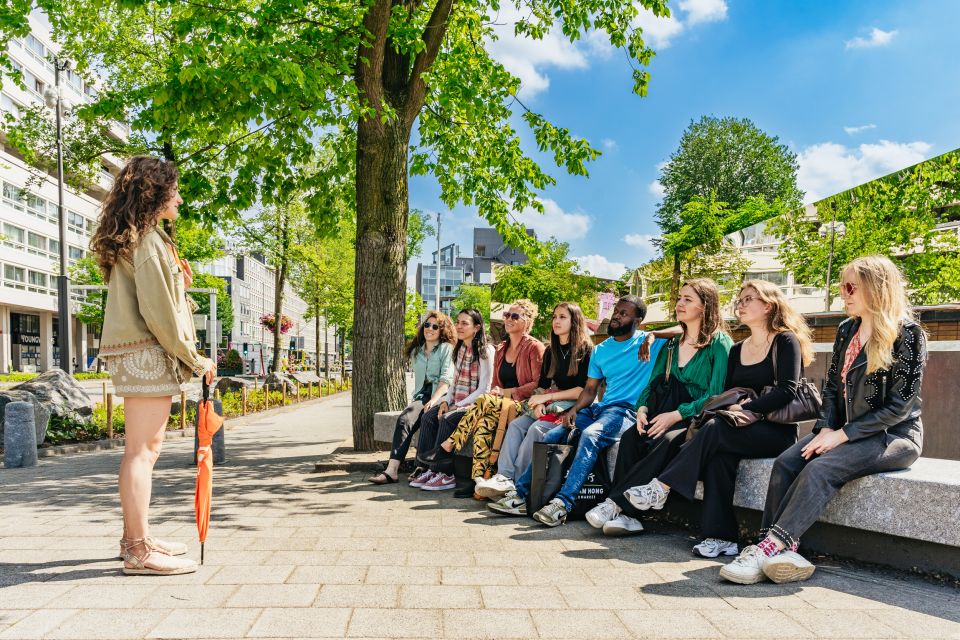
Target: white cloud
(699,11)
(643,242)
(599,266)
(556,222)
(878,38)
(527,58)
(609,144)
(855,130)
(657,189)
(657,32)
(829,168)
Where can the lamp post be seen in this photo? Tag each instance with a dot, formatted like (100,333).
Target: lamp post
(54,100)
(834,229)
(438,262)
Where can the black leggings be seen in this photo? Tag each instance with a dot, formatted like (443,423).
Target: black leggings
(434,430)
(713,456)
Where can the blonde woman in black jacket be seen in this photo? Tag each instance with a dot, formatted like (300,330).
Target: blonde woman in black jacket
(870,420)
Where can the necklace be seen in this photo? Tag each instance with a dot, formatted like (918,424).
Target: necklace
(564,354)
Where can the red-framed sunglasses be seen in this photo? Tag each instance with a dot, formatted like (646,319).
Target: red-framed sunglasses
(848,288)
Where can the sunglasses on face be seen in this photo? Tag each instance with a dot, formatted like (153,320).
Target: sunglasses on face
(848,288)
(431,325)
(512,315)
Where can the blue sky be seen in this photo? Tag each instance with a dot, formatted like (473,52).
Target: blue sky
(856,89)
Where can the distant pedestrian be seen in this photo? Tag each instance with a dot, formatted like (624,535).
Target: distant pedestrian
(148,342)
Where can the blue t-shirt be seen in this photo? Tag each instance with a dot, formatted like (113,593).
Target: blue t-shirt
(620,365)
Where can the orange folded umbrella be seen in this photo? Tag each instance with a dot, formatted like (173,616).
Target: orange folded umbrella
(208,423)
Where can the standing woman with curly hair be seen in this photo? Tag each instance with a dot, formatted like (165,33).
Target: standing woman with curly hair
(430,354)
(148,342)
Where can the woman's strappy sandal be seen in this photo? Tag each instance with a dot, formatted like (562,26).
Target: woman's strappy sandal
(169,548)
(150,561)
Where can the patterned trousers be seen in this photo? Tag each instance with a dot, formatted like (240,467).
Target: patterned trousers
(480,421)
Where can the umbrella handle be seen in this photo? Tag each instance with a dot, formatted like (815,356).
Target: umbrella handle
(205,386)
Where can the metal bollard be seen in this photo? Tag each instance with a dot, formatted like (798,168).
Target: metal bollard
(109,404)
(243,401)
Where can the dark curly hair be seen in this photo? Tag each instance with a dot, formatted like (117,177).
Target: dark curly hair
(447,333)
(131,209)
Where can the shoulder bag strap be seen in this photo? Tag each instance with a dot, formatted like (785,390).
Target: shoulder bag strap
(666,377)
(773,346)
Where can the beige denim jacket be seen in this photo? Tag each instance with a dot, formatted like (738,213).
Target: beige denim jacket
(147,306)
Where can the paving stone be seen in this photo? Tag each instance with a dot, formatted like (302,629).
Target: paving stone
(273,595)
(460,623)
(373,558)
(668,624)
(107,624)
(187,596)
(437,559)
(38,623)
(913,624)
(358,595)
(758,624)
(301,558)
(579,624)
(206,623)
(826,623)
(395,623)
(403,575)
(320,574)
(252,574)
(446,596)
(479,576)
(609,597)
(32,596)
(301,623)
(105,596)
(506,597)
(534,577)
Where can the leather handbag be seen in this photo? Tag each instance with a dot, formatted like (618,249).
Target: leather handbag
(806,406)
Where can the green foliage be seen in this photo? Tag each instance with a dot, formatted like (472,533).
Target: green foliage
(86,271)
(198,241)
(547,279)
(725,265)
(91,375)
(896,216)
(233,361)
(414,310)
(17,377)
(224,303)
(472,296)
(418,230)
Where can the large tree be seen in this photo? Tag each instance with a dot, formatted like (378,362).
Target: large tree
(725,175)
(897,216)
(237,92)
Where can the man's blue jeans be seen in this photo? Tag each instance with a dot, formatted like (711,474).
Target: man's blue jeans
(600,427)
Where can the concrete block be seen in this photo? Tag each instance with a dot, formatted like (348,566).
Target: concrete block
(922,502)
(384,423)
(19,436)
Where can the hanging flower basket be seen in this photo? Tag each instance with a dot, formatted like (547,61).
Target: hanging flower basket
(270,323)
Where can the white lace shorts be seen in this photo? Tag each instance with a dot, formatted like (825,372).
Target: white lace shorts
(147,372)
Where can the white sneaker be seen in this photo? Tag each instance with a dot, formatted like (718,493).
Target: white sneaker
(552,514)
(713,547)
(647,496)
(788,566)
(509,505)
(496,487)
(747,568)
(603,513)
(422,479)
(622,525)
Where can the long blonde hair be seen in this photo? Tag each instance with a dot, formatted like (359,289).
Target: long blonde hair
(782,316)
(885,297)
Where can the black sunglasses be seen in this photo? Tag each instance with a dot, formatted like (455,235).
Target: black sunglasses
(431,325)
(513,316)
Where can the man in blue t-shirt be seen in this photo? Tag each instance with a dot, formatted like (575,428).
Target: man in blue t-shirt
(615,360)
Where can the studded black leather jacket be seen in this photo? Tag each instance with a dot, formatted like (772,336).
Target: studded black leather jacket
(885,400)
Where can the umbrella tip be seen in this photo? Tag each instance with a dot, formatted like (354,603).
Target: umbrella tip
(201,553)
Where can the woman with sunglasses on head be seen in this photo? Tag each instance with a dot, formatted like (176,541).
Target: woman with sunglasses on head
(697,362)
(516,371)
(472,375)
(563,375)
(769,362)
(148,342)
(869,422)
(431,357)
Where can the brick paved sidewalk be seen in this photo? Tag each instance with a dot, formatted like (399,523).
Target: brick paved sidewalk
(297,554)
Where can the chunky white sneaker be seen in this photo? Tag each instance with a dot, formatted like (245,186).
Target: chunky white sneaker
(509,505)
(713,547)
(552,514)
(747,568)
(647,496)
(422,479)
(496,487)
(788,566)
(622,525)
(440,482)
(603,513)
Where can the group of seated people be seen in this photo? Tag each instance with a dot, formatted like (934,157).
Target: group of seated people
(654,390)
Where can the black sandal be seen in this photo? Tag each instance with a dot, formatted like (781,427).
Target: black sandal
(375,479)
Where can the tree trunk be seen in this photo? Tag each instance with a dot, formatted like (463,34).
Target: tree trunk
(382,209)
(675,287)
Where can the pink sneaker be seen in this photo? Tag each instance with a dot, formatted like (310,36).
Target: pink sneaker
(422,479)
(440,482)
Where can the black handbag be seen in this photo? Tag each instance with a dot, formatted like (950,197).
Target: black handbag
(550,465)
(806,406)
(666,392)
(425,392)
